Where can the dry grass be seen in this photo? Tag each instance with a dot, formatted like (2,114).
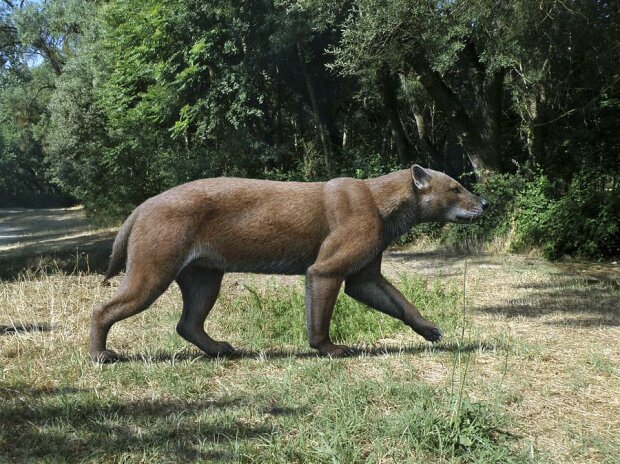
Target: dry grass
(278,401)
(568,376)
(562,380)
(544,348)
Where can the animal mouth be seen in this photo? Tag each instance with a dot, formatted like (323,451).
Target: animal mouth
(468,217)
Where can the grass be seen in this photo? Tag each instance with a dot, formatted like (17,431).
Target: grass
(529,370)
(276,315)
(277,402)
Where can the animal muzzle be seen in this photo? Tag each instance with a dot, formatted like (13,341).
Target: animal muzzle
(472,214)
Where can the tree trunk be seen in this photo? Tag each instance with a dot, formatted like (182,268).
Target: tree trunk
(321,129)
(453,156)
(535,130)
(492,110)
(482,152)
(426,145)
(388,87)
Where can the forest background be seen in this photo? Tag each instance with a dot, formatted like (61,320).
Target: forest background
(106,103)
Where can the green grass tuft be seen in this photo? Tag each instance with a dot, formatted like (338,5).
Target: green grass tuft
(276,316)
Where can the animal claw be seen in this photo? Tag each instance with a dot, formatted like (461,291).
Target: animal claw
(221,349)
(338,351)
(434,335)
(105,357)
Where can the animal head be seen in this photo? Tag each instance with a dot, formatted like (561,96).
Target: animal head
(442,199)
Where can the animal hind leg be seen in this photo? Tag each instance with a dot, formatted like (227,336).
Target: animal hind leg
(200,289)
(137,292)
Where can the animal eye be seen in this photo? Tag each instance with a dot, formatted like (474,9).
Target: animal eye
(455,189)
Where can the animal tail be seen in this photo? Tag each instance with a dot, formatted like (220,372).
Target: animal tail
(118,257)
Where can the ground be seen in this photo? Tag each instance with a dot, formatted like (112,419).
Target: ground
(63,234)
(531,363)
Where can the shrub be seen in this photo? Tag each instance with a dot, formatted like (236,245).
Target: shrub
(584,221)
(580,219)
(502,192)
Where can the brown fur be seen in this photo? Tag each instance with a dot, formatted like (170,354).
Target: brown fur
(333,232)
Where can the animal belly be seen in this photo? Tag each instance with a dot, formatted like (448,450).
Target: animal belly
(261,242)
(259,260)
(281,266)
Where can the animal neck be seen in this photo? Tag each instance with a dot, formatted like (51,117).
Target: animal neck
(396,201)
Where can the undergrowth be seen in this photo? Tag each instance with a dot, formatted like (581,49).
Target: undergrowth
(527,211)
(276,315)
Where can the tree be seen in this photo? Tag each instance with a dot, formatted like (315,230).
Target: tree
(35,40)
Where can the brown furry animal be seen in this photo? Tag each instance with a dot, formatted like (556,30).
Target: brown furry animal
(333,232)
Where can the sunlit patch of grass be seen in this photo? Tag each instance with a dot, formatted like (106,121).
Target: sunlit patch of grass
(267,317)
(601,364)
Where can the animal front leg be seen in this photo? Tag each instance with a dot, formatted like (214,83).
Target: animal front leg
(375,291)
(321,294)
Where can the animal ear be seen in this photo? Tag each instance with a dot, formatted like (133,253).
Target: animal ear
(421,177)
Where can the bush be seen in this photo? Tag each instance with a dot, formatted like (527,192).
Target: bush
(584,221)
(501,191)
(579,219)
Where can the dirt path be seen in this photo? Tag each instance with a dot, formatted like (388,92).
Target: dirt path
(65,234)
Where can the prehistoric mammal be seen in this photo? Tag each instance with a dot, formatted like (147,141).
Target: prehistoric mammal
(333,232)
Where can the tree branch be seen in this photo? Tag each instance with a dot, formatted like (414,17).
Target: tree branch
(443,96)
(51,55)
(482,154)
(36,95)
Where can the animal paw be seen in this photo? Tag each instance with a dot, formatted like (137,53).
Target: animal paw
(432,334)
(337,351)
(104,357)
(220,349)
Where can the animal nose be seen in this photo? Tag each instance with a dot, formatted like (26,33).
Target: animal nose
(484,203)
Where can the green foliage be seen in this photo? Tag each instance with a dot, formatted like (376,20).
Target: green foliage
(472,435)
(527,212)
(23,123)
(29,31)
(113,102)
(584,221)
(501,191)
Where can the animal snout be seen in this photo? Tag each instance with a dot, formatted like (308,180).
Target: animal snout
(484,203)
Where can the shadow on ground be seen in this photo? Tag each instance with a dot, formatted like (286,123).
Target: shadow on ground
(359,351)
(43,240)
(576,302)
(69,256)
(443,263)
(24,327)
(71,425)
